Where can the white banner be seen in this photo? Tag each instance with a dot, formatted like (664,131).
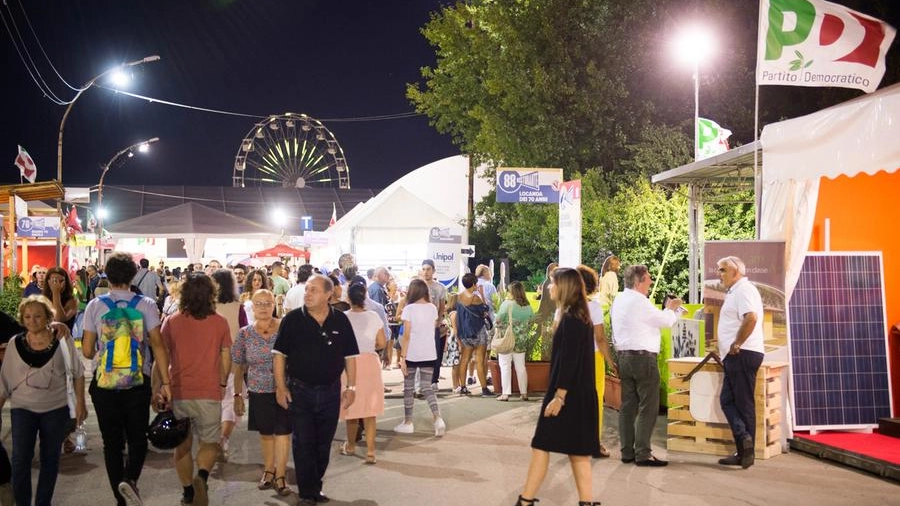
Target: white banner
(444,247)
(817,43)
(570,223)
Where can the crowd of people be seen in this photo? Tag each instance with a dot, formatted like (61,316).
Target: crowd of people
(297,353)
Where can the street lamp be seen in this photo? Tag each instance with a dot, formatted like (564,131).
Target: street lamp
(693,46)
(142,147)
(62,124)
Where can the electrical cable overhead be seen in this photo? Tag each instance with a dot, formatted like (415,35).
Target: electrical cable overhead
(382,117)
(41,46)
(24,62)
(33,69)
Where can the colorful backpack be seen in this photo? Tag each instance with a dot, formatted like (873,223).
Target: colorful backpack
(121,335)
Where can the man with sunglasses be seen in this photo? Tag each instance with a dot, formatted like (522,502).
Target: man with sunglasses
(741,347)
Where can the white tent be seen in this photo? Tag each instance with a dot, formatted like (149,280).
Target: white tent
(858,136)
(392,228)
(194,224)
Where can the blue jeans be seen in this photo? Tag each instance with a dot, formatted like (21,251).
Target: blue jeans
(737,399)
(313,411)
(26,425)
(439,347)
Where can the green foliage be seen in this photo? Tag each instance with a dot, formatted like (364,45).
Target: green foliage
(11,295)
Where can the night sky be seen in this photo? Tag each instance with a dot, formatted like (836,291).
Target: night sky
(328,59)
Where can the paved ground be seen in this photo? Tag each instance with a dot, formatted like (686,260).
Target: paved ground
(482,461)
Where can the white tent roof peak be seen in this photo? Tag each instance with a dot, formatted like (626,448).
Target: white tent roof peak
(189,219)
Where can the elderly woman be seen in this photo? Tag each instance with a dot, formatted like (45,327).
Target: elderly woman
(515,311)
(252,356)
(36,375)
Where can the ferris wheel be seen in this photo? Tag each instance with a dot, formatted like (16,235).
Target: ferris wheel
(292,151)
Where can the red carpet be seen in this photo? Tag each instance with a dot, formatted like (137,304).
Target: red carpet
(872,445)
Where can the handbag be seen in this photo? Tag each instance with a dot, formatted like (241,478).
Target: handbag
(505,343)
(70,376)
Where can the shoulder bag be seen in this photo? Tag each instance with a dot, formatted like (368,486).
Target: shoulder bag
(506,342)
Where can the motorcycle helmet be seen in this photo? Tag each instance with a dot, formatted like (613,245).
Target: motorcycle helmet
(166,432)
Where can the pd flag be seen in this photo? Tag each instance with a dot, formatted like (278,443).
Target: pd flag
(712,139)
(26,165)
(817,43)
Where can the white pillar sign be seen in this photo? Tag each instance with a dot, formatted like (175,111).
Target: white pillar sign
(444,247)
(570,223)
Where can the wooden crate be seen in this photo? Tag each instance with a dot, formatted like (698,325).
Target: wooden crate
(689,435)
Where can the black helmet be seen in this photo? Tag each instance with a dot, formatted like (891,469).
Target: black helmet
(166,432)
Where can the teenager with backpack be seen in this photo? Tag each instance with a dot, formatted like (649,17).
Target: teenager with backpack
(118,327)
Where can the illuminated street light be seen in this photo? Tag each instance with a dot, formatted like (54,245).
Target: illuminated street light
(142,147)
(62,125)
(695,45)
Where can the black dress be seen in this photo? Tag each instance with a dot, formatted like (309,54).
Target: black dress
(574,430)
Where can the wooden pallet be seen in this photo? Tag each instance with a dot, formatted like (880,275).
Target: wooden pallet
(690,435)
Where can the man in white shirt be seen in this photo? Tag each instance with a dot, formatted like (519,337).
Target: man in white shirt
(294,297)
(742,350)
(636,323)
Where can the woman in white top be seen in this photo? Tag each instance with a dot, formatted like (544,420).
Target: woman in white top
(256,280)
(417,352)
(601,348)
(369,403)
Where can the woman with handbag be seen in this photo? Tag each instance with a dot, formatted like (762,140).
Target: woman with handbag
(472,316)
(514,316)
(40,376)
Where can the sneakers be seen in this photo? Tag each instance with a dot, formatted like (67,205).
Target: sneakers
(435,388)
(129,492)
(439,427)
(457,390)
(470,380)
(486,392)
(464,391)
(201,497)
(404,428)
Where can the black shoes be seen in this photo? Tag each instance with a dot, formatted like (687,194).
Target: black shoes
(747,454)
(651,462)
(731,460)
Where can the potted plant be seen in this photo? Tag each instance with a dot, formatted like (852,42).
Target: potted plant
(536,366)
(10,297)
(612,393)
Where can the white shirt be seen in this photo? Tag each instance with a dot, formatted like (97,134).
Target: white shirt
(741,299)
(636,322)
(419,318)
(365,326)
(294,297)
(596,317)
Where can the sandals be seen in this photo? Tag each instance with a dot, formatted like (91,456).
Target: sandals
(521,501)
(588,503)
(604,453)
(265,484)
(346,450)
(283,489)
(370,459)
(503,398)
(524,397)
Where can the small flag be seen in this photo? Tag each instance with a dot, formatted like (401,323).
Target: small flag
(73,224)
(817,43)
(91,221)
(712,139)
(333,215)
(26,165)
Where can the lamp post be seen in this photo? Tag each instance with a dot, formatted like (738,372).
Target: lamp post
(142,147)
(692,46)
(62,125)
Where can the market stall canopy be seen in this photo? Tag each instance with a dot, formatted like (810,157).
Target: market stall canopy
(45,190)
(189,220)
(278,251)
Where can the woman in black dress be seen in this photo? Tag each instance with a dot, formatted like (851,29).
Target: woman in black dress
(568,423)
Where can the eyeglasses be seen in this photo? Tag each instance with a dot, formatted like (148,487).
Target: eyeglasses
(263,304)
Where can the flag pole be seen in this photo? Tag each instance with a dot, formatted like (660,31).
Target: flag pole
(757,179)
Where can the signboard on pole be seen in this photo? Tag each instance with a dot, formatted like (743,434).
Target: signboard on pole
(528,186)
(38,227)
(570,223)
(445,249)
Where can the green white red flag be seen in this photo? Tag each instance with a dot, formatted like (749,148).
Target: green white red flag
(817,43)
(26,165)
(712,139)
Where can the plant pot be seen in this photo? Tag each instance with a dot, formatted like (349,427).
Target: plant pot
(612,394)
(538,376)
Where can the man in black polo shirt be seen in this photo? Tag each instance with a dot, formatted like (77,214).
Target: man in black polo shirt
(314,345)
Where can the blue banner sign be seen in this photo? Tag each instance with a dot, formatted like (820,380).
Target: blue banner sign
(528,186)
(37,227)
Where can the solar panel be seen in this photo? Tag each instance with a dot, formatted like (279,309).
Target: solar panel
(838,342)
